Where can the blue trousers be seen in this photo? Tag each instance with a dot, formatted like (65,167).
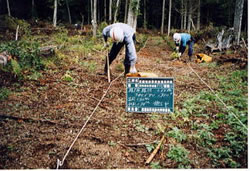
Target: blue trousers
(190,47)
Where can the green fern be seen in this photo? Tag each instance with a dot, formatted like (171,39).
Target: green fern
(15,67)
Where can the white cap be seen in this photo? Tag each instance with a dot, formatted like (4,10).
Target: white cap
(177,37)
(117,35)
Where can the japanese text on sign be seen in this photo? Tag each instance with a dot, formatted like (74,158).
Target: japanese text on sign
(147,95)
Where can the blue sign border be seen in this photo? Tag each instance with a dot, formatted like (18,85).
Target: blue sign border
(148,84)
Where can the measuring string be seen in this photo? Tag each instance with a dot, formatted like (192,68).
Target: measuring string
(217,96)
(60,163)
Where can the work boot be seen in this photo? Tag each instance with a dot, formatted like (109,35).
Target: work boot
(105,71)
(127,68)
(102,73)
(190,59)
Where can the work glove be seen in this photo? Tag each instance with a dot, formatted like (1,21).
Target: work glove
(179,54)
(132,69)
(177,49)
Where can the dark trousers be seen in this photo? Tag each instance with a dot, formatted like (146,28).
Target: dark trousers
(116,47)
(190,47)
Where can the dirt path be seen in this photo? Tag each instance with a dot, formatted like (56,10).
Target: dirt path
(49,114)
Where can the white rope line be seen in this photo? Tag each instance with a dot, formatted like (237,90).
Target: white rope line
(60,163)
(217,96)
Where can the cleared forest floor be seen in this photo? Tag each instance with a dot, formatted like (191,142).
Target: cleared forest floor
(41,119)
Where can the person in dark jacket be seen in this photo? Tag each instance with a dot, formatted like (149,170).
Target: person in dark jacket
(121,34)
(181,41)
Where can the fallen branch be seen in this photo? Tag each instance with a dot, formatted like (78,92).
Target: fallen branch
(90,97)
(223,42)
(47,50)
(243,40)
(212,47)
(204,41)
(155,150)
(4,117)
(38,120)
(139,144)
(219,39)
(96,50)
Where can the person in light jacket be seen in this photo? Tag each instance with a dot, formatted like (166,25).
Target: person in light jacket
(181,41)
(121,34)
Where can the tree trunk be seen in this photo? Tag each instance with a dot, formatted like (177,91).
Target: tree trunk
(207,17)
(110,11)
(182,16)
(126,12)
(189,16)
(116,10)
(145,14)
(105,10)
(32,9)
(92,11)
(89,11)
(169,16)
(163,16)
(238,13)
(185,14)
(82,20)
(98,9)
(55,13)
(67,4)
(229,18)
(133,12)
(192,23)
(8,7)
(199,15)
(94,22)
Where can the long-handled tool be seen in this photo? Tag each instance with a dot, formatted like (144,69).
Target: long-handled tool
(107,56)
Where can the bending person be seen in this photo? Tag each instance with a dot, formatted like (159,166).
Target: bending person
(181,41)
(121,34)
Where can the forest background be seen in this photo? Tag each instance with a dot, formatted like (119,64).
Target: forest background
(52,50)
(157,14)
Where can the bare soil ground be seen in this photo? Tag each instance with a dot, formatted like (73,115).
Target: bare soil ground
(41,119)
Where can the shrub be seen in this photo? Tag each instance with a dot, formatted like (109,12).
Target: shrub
(67,77)
(11,23)
(155,165)
(25,56)
(179,154)
(177,134)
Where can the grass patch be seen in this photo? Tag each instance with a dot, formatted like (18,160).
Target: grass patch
(4,93)
(177,134)
(89,65)
(179,154)
(204,114)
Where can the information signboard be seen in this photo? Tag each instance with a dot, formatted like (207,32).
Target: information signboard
(149,95)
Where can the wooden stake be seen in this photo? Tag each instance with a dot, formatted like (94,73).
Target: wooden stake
(108,66)
(155,150)
(17,32)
